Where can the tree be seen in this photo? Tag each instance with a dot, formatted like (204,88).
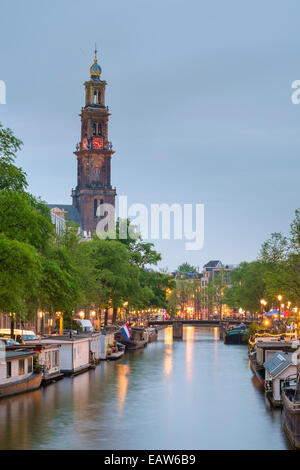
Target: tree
(11,177)
(19,275)
(248,286)
(186,267)
(115,274)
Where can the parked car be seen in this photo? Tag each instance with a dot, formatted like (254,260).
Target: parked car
(8,341)
(21,336)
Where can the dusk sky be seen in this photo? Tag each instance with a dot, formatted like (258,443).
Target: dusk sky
(200,96)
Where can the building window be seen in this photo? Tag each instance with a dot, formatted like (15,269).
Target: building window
(99,97)
(30,365)
(95,207)
(99,129)
(21,366)
(8,369)
(94,129)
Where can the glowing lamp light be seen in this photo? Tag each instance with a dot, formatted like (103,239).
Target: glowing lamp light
(81,314)
(41,314)
(279,298)
(266,322)
(93,313)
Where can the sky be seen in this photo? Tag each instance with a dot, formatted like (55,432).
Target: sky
(200,96)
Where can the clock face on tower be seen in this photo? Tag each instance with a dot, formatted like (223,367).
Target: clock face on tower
(97,142)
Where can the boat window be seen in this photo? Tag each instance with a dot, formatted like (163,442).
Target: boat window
(30,365)
(8,369)
(21,366)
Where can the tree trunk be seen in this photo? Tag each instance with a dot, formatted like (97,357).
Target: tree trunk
(12,326)
(106,316)
(115,311)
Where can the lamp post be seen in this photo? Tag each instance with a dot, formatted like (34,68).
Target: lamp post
(92,315)
(41,315)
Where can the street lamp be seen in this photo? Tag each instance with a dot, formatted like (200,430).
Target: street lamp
(41,315)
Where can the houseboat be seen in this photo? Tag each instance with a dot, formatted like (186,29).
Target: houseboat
(74,353)
(107,342)
(263,348)
(278,368)
(236,335)
(137,340)
(17,373)
(47,360)
(291,409)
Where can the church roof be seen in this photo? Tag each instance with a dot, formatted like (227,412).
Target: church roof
(72,214)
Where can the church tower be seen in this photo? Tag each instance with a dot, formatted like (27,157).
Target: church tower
(93,153)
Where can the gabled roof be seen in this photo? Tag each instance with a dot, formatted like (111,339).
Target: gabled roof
(278,363)
(213,264)
(72,213)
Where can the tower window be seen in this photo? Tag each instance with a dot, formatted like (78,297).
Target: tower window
(95,207)
(94,129)
(99,129)
(99,97)
(95,97)
(101,208)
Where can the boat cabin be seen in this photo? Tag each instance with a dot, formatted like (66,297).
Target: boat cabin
(74,355)
(47,358)
(265,349)
(277,368)
(17,373)
(107,340)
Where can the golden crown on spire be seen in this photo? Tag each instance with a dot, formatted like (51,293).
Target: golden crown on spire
(95,69)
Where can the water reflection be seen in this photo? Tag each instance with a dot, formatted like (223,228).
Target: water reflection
(168,352)
(123,372)
(189,352)
(195,393)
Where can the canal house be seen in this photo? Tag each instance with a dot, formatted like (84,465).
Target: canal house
(74,353)
(17,373)
(278,368)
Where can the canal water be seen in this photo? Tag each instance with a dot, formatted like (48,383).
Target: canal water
(192,394)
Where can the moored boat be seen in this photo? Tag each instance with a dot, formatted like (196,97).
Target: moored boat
(291,410)
(17,374)
(152,334)
(236,335)
(137,340)
(113,356)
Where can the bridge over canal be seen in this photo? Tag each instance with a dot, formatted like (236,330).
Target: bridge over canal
(178,324)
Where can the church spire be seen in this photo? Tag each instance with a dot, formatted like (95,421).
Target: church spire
(95,69)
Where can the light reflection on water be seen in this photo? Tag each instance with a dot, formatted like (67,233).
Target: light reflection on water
(192,394)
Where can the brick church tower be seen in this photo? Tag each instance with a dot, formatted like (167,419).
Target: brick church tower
(93,153)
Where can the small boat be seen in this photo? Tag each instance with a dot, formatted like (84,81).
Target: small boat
(117,354)
(137,340)
(236,335)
